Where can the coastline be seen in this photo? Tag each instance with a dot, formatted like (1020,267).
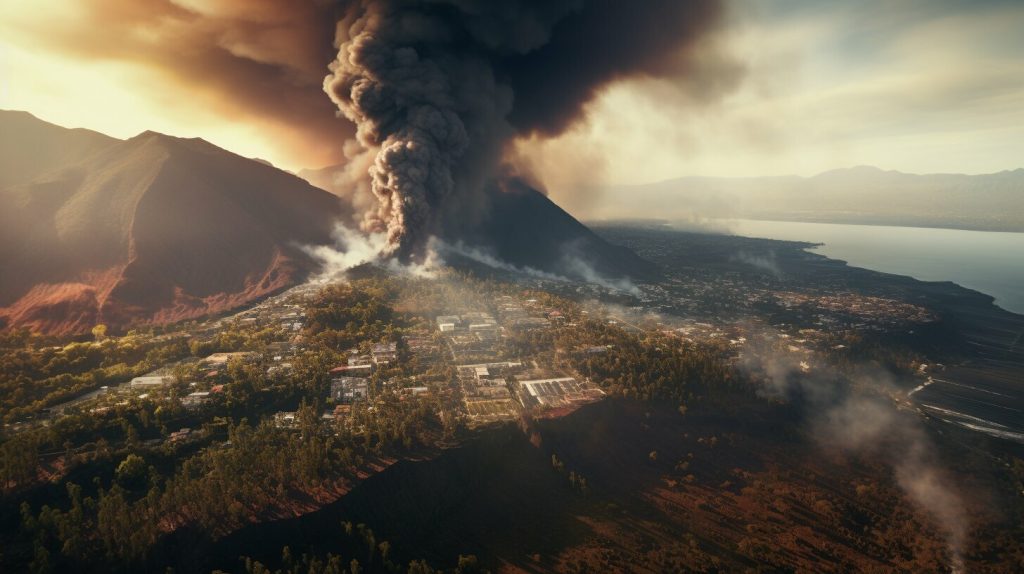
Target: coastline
(980,345)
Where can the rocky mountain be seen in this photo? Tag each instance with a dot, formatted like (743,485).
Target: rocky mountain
(153,229)
(862,195)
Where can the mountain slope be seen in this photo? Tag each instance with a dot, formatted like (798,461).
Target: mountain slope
(865,195)
(30,147)
(151,230)
(522,227)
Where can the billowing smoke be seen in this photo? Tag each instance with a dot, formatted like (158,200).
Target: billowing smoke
(438,89)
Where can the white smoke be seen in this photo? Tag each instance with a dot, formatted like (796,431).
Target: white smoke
(860,424)
(352,248)
(442,248)
(856,416)
(580,268)
(766,262)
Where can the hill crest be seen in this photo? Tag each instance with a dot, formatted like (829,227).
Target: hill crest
(153,229)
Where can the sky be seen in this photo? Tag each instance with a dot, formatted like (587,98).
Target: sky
(913,85)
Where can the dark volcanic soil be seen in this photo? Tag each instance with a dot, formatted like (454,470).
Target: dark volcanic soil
(722,491)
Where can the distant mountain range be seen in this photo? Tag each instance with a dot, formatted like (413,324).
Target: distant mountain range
(157,229)
(861,195)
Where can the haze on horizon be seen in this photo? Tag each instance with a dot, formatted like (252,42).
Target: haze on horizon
(792,87)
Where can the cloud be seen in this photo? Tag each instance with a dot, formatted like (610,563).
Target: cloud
(439,89)
(914,86)
(257,62)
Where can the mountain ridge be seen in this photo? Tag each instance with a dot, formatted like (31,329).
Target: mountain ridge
(156,229)
(153,229)
(41,146)
(856,195)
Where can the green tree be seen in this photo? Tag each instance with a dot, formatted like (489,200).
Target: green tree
(131,471)
(468,564)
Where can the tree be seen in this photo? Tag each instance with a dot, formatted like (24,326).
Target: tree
(468,564)
(131,471)
(41,563)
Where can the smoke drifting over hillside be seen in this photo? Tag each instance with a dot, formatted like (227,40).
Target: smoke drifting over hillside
(857,416)
(439,88)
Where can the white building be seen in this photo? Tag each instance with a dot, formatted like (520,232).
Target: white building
(148,381)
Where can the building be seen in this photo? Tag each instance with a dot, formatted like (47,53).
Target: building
(149,381)
(548,392)
(285,419)
(221,359)
(196,400)
(448,322)
(281,349)
(488,374)
(352,370)
(179,435)
(478,317)
(347,390)
(530,323)
(384,353)
(357,360)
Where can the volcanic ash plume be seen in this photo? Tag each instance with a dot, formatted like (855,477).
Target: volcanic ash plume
(437,88)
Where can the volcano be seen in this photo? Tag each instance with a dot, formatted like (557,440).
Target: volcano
(523,227)
(519,226)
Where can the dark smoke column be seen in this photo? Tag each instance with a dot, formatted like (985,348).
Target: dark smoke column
(403,108)
(437,88)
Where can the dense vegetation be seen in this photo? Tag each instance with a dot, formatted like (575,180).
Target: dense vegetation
(104,485)
(128,482)
(36,373)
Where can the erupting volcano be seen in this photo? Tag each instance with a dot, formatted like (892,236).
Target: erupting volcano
(439,90)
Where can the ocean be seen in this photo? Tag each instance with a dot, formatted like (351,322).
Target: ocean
(987,261)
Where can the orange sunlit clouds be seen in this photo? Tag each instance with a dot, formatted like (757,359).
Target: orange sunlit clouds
(823,85)
(245,75)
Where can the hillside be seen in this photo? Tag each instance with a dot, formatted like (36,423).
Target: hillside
(30,147)
(862,195)
(522,227)
(154,229)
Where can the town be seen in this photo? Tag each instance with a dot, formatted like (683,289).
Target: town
(283,408)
